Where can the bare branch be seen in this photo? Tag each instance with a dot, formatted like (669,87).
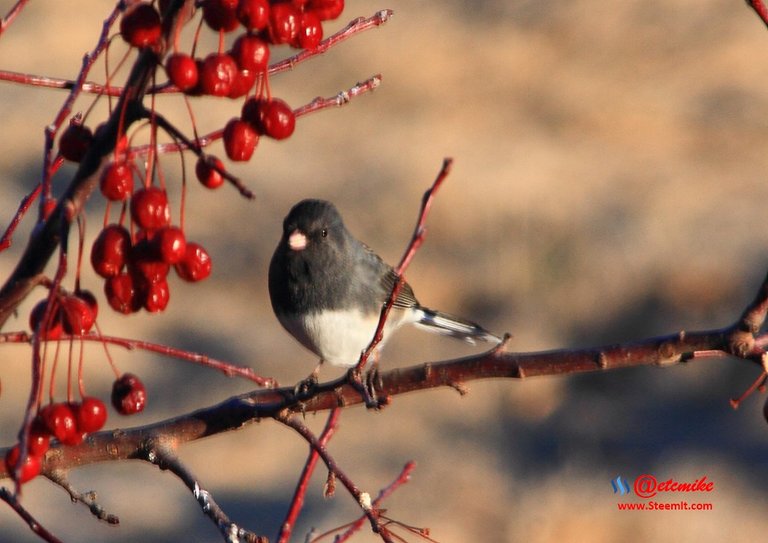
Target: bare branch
(11,499)
(164,458)
(86,498)
(286,529)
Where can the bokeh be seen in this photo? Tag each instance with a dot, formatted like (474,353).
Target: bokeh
(609,185)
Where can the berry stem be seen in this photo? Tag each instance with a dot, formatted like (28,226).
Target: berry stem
(70,375)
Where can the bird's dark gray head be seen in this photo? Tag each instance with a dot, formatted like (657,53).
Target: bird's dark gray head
(311,266)
(311,223)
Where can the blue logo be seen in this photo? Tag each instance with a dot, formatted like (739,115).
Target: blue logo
(619,486)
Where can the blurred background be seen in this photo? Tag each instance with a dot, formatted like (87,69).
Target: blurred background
(609,185)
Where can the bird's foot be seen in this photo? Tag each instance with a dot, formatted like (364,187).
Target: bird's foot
(367,387)
(306,386)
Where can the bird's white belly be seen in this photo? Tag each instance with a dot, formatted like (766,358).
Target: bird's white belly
(338,337)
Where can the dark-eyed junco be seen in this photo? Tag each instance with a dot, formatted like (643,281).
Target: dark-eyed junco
(328,289)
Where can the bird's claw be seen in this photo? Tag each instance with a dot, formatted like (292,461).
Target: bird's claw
(367,387)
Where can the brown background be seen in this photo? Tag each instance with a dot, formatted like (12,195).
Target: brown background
(609,184)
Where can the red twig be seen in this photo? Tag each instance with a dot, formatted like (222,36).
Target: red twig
(33,524)
(24,206)
(358,25)
(341,99)
(297,503)
(354,27)
(760,9)
(230,370)
(363,499)
(404,477)
(416,240)
(14,12)
(66,109)
(338,100)
(43,81)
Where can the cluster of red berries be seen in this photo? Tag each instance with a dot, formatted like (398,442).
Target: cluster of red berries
(135,264)
(70,422)
(73,314)
(135,268)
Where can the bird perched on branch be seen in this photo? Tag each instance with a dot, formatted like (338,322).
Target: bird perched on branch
(328,289)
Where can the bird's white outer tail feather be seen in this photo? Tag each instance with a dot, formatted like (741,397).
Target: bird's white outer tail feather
(442,323)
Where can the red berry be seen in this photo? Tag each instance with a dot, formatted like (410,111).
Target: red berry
(128,394)
(75,141)
(244,80)
(326,9)
(110,250)
(140,25)
(218,74)
(220,14)
(171,244)
(145,261)
(240,140)
(116,182)
(30,467)
(207,174)
(251,53)
(156,296)
(90,414)
(90,299)
(182,71)
(122,293)
(253,111)
(283,23)
(196,264)
(38,443)
(278,119)
(149,208)
(52,328)
(310,30)
(60,421)
(77,315)
(253,14)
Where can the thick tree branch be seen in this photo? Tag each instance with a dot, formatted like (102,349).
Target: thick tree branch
(239,411)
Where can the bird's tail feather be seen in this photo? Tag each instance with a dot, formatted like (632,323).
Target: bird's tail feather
(443,323)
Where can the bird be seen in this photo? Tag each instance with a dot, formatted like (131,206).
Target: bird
(328,289)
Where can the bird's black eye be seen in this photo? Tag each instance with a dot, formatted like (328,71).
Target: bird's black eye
(324,233)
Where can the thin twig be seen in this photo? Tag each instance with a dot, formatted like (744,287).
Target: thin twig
(760,9)
(14,12)
(337,100)
(363,499)
(354,27)
(228,369)
(297,502)
(12,499)
(416,240)
(90,87)
(164,458)
(340,99)
(404,477)
(86,498)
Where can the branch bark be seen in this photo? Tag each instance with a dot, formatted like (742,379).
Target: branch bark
(238,411)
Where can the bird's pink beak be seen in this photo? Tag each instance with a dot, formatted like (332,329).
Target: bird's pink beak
(297,240)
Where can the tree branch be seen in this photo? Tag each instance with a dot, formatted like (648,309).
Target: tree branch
(238,411)
(163,457)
